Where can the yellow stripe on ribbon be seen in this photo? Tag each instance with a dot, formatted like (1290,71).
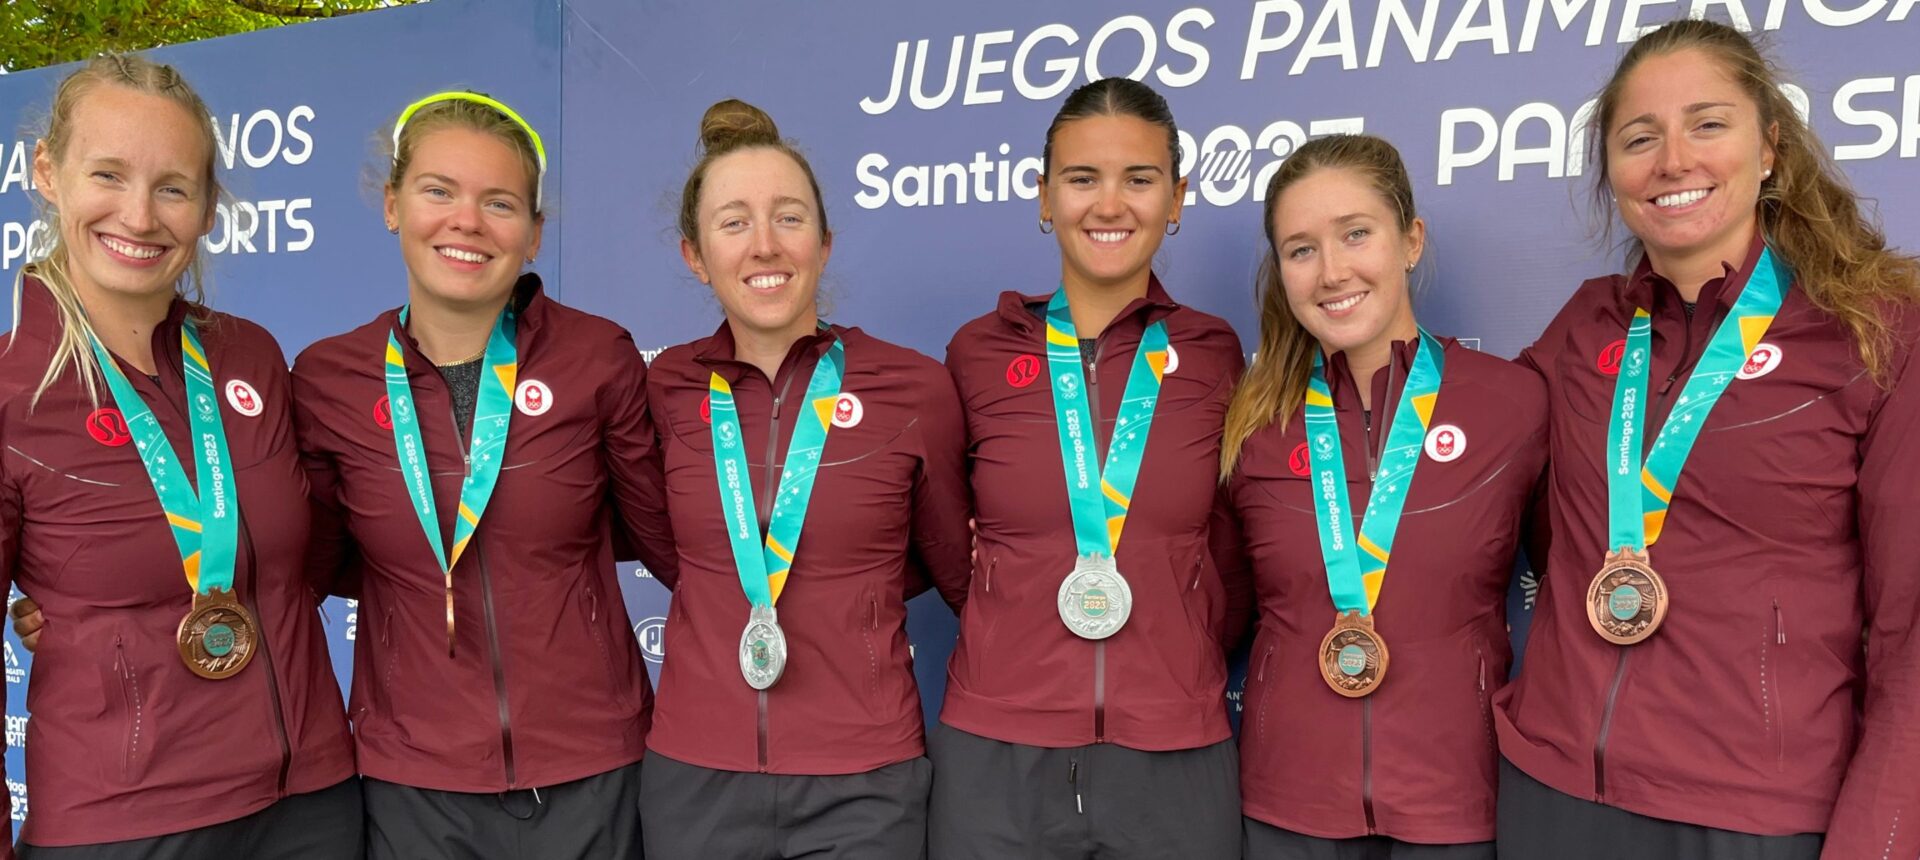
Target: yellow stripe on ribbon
(1370,548)
(776,582)
(1752,329)
(394,358)
(192,566)
(1157,361)
(1111,493)
(1653,486)
(509,374)
(186,346)
(1315,398)
(1423,407)
(467,514)
(719,383)
(1652,522)
(1057,337)
(1114,525)
(459,548)
(823,409)
(181,522)
(1372,580)
(780,552)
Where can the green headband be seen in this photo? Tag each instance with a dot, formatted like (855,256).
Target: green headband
(539,149)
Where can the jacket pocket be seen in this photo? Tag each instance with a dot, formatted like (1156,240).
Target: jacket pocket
(1266,692)
(870,631)
(135,739)
(1772,713)
(1486,698)
(622,688)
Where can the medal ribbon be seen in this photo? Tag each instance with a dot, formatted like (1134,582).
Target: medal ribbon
(1100,514)
(485,449)
(763,563)
(206,521)
(1357,568)
(1637,495)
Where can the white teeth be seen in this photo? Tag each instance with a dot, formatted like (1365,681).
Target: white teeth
(463,256)
(1679,198)
(1109,235)
(138,252)
(766,282)
(1345,303)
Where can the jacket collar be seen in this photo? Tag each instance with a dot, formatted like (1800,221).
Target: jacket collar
(1018,310)
(716,351)
(531,307)
(1648,289)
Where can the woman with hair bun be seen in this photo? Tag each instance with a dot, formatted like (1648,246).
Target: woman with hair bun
(1356,436)
(1734,494)
(816,479)
(481,446)
(151,502)
(1086,711)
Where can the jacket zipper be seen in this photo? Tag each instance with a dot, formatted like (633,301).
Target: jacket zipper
(1386,420)
(1366,762)
(135,704)
(1779,713)
(991,562)
(764,501)
(1606,725)
(493,626)
(1092,373)
(252,601)
(1260,718)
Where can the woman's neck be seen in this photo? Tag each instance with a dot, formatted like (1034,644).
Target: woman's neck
(452,334)
(1094,306)
(1367,359)
(124,323)
(767,348)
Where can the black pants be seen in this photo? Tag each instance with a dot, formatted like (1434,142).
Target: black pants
(1267,842)
(321,825)
(994,801)
(699,813)
(596,818)
(1539,822)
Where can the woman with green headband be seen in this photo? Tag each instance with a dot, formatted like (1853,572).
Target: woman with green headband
(476,448)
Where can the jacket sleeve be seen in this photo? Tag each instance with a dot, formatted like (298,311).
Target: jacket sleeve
(11,519)
(636,466)
(942,498)
(1878,811)
(333,562)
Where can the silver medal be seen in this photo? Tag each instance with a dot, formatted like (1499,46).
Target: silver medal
(1095,599)
(763,649)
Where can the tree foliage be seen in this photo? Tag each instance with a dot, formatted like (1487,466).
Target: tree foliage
(37,33)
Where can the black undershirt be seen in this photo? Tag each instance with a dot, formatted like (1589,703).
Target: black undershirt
(463,385)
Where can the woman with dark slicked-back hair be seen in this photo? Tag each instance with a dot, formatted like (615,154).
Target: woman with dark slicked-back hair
(1085,712)
(1734,494)
(1356,437)
(152,510)
(816,480)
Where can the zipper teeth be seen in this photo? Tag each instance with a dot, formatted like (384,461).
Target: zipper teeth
(266,654)
(499,667)
(1606,726)
(1366,762)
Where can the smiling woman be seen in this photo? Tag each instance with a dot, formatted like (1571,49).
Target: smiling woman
(472,455)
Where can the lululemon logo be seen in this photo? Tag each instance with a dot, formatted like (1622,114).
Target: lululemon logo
(108,427)
(383,413)
(533,397)
(706,409)
(1299,461)
(1173,361)
(1023,370)
(243,398)
(847,411)
(1609,360)
(1445,443)
(1764,358)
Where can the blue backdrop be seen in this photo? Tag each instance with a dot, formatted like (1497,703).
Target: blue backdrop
(925,128)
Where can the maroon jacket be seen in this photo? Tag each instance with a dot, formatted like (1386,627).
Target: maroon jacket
(545,685)
(1755,707)
(1018,674)
(1416,759)
(125,741)
(889,504)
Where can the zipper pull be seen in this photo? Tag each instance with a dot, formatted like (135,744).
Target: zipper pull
(1073,779)
(1779,624)
(776,407)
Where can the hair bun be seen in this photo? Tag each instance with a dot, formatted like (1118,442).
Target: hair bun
(732,123)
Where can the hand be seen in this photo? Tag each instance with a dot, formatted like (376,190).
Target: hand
(27,622)
(973,541)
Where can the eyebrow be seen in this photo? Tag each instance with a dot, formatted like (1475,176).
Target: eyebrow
(1131,168)
(777,201)
(1344,219)
(1696,107)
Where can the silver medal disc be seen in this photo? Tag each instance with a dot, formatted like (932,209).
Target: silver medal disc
(1095,599)
(763,649)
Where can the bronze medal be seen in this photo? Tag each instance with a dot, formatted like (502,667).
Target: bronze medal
(1353,658)
(1627,600)
(218,636)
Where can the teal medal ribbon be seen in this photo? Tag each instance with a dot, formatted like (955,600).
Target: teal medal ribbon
(218,636)
(1094,599)
(1627,600)
(763,562)
(486,448)
(1353,657)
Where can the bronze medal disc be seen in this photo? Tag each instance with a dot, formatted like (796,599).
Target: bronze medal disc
(218,637)
(1627,600)
(1353,658)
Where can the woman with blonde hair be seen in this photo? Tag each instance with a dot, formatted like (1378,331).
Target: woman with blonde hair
(1366,733)
(1696,682)
(182,699)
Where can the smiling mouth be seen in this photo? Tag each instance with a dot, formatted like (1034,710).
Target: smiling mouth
(1109,237)
(131,250)
(768,282)
(1681,199)
(1343,304)
(463,256)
